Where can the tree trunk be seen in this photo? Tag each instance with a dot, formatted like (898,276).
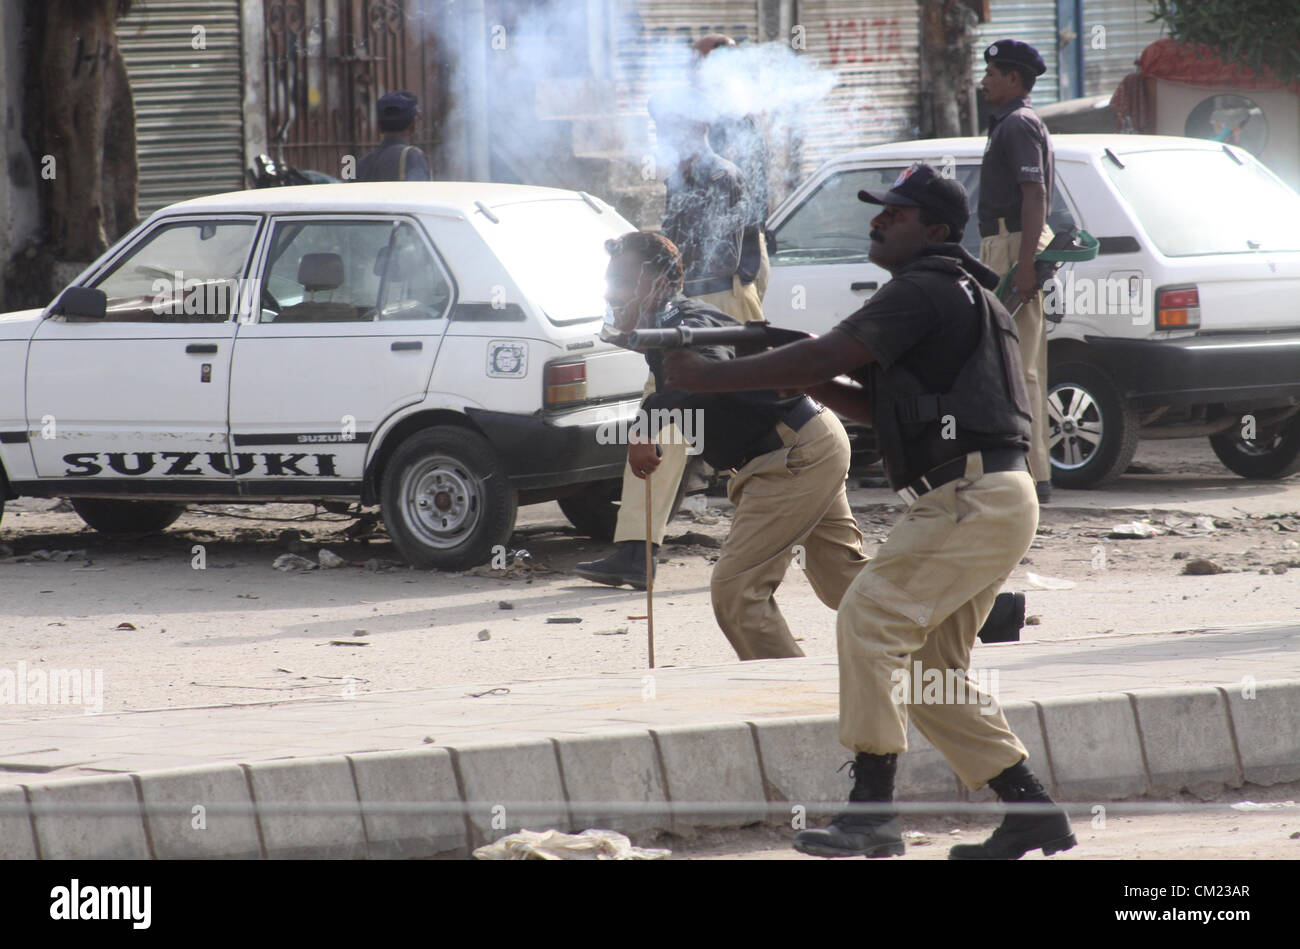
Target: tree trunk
(81,104)
(947,46)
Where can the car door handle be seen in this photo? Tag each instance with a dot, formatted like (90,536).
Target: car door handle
(407,346)
(201,348)
(865,285)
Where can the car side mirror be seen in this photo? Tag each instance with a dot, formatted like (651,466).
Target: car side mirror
(85,302)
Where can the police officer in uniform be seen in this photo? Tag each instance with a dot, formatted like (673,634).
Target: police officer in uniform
(1016,180)
(705,218)
(396,159)
(946,397)
(790,456)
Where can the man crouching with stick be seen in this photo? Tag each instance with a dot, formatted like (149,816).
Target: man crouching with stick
(790,458)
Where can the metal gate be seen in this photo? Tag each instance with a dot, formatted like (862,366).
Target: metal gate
(328,61)
(654,36)
(1032,22)
(183,61)
(1114,34)
(875,49)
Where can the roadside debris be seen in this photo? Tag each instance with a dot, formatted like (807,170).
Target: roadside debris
(484,635)
(330,560)
(127,626)
(292,563)
(347,642)
(1201,568)
(564,619)
(505,605)
(621,631)
(693,539)
(915,838)
(52,556)
(1049,583)
(1135,529)
(553,845)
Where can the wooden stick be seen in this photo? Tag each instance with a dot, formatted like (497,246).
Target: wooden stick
(649,574)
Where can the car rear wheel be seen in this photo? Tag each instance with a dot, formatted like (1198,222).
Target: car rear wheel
(1274,453)
(1092,433)
(110,516)
(446,499)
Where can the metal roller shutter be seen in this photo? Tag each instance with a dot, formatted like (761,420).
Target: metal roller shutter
(654,39)
(1127,33)
(188,102)
(1032,22)
(874,46)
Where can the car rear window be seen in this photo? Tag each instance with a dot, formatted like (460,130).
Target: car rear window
(555,252)
(1205,202)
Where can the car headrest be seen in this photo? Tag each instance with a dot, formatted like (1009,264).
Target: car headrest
(320,271)
(392,265)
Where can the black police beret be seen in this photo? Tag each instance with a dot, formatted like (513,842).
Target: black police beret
(398,107)
(1015,53)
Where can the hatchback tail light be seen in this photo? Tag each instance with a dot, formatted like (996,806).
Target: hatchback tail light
(566,382)
(1178,308)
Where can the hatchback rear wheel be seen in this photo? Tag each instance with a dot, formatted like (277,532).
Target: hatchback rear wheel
(1092,433)
(446,499)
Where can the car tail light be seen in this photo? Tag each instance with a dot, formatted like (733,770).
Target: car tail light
(566,382)
(1178,308)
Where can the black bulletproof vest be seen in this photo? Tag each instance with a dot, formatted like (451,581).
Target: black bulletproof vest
(988,400)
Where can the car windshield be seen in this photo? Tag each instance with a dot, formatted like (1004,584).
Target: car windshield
(1207,202)
(555,251)
(832,226)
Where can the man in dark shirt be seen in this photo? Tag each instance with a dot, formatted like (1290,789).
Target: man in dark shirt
(396,159)
(739,139)
(1016,181)
(947,400)
(790,456)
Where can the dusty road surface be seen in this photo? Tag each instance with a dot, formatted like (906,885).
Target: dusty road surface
(1269,832)
(168,634)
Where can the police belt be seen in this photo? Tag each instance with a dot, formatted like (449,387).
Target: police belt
(705,285)
(804,410)
(989,227)
(995,459)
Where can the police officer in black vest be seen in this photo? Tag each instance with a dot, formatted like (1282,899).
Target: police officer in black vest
(396,159)
(943,388)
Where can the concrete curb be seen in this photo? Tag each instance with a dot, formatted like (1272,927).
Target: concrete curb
(1104,746)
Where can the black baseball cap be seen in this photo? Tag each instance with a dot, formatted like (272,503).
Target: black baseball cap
(921,186)
(1015,53)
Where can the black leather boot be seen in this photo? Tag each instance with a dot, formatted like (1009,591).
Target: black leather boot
(1020,833)
(1005,619)
(625,565)
(866,835)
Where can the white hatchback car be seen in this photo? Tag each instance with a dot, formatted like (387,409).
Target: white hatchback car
(1186,323)
(431,348)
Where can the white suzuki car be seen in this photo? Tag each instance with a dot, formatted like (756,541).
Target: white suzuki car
(1187,322)
(431,348)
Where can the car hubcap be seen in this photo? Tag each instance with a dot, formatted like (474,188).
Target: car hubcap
(443,501)
(1074,426)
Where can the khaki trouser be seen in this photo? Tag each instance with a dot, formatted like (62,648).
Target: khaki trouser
(764,269)
(740,303)
(999,253)
(922,599)
(789,498)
